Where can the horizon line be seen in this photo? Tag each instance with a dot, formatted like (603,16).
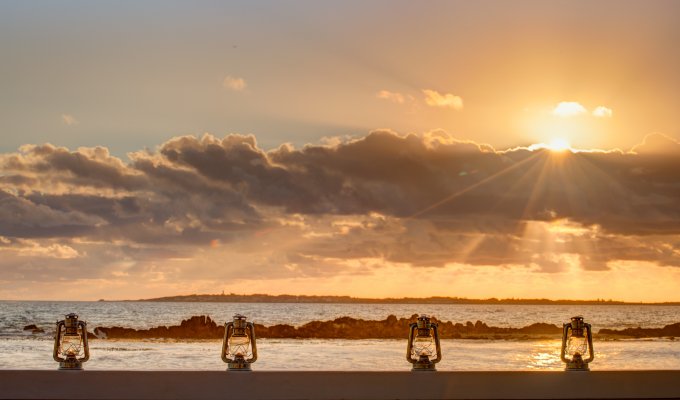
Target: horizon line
(405,299)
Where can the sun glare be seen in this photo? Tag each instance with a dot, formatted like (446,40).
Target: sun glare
(558,144)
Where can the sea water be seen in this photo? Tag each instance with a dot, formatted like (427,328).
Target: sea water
(21,349)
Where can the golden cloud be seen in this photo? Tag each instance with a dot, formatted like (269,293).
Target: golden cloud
(69,119)
(569,109)
(602,112)
(234,83)
(391,96)
(574,108)
(442,100)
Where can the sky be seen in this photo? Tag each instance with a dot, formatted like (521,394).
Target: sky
(376,149)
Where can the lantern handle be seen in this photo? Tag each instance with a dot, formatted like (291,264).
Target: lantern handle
(86,356)
(409,346)
(591,352)
(251,329)
(57,340)
(565,332)
(437,344)
(227,327)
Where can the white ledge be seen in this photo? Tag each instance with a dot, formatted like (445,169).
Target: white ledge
(279,385)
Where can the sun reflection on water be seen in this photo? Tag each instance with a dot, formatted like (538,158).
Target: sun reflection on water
(545,355)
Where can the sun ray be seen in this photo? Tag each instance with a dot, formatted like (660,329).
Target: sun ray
(471,246)
(471,187)
(581,183)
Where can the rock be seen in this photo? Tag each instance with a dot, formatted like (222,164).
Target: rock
(541,328)
(34,329)
(197,327)
(203,327)
(672,330)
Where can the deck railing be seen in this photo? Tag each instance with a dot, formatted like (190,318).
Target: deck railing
(199,385)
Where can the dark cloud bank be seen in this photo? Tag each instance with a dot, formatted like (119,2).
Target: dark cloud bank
(421,200)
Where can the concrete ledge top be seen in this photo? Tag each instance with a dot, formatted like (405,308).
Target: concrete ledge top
(275,385)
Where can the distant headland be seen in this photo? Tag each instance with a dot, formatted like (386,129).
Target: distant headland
(287,298)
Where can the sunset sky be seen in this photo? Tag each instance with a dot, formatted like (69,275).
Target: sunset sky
(375,149)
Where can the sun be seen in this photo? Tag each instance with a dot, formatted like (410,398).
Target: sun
(558,145)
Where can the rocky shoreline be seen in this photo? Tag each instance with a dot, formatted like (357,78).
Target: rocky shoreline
(204,327)
(669,331)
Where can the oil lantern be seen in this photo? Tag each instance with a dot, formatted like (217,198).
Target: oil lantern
(577,345)
(238,348)
(423,349)
(70,343)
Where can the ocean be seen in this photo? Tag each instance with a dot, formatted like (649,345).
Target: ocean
(21,349)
